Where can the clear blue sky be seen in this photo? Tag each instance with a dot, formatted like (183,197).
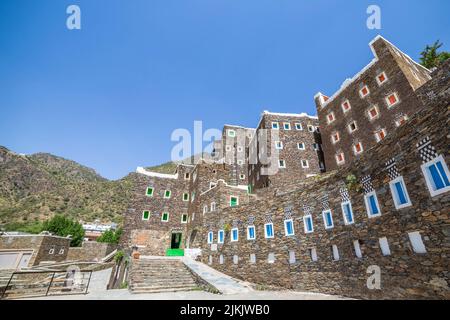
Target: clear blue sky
(110,95)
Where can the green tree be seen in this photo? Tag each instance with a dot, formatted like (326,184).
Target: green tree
(110,236)
(431,58)
(63,226)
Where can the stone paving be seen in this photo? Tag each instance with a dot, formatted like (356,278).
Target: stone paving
(97,291)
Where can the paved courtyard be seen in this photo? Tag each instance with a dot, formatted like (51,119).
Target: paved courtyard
(232,290)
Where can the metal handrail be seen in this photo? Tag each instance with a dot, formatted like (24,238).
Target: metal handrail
(53,273)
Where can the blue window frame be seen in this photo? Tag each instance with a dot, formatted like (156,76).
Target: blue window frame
(210,237)
(251,234)
(372,206)
(399,193)
(268,230)
(347,211)
(220,236)
(234,234)
(327,219)
(308,223)
(437,176)
(289,227)
(275,125)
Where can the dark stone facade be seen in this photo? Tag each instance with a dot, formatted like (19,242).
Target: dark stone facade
(403,77)
(404,273)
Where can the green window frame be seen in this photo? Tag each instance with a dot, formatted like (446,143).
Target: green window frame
(145,215)
(167,194)
(234,201)
(165,217)
(149,191)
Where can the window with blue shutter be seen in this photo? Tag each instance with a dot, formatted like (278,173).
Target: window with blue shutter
(268,227)
(437,176)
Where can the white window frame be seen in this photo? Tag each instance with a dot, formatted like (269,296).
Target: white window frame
(301,143)
(248,232)
(187,199)
(240,149)
(240,162)
(237,235)
(205,209)
(368,207)
(153,191)
(395,196)
(397,121)
(286,228)
(349,127)
(376,116)
(354,148)
(288,126)
(162,216)
(327,227)
(343,158)
(310,128)
(384,246)
(143,215)
(170,194)
(417,242)
(265,231)
(210,238)
(335,251)
(385,78)
(184,215)
(281,166)
(333,140)
(279,145)
(277,125)
(346,222)
(357,248)
(228,148)
(361,90)
(328,117)
(187,176)
(316,146)
(388,103)
(305,225)
(231,133)
(237,201)
(304,166)
(377,136)
(313,254)
(218,236)
(429,179)
(242,176)
(349,106)
(61,251)
(298,126)
(213,206)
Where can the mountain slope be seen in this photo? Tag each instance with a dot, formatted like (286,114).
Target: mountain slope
(35,187)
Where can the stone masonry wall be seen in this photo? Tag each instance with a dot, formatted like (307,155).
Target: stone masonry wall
(404,273)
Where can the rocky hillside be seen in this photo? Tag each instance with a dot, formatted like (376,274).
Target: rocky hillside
(35,187)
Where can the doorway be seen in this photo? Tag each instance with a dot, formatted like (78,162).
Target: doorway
(176,240)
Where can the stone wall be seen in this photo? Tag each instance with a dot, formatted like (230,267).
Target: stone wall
(403,77)
(404,273)
(45,248)
(90,251)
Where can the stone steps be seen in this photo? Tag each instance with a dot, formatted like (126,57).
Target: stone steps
(160,275)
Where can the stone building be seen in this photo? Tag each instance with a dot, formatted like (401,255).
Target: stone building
(371,105)
(158,212)
(386,212)
(286,148)
(26,250)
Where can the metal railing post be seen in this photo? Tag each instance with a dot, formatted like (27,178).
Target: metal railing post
(7,285)
(51,281)
(89,281)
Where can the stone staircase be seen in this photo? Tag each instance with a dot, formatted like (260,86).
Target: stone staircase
(160,275)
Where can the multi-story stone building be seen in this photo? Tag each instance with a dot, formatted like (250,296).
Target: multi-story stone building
(387,207)
(371,105)
(158,212)
(286,148)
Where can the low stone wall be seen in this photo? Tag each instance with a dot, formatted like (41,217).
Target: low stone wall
(305,261)
(90,251)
